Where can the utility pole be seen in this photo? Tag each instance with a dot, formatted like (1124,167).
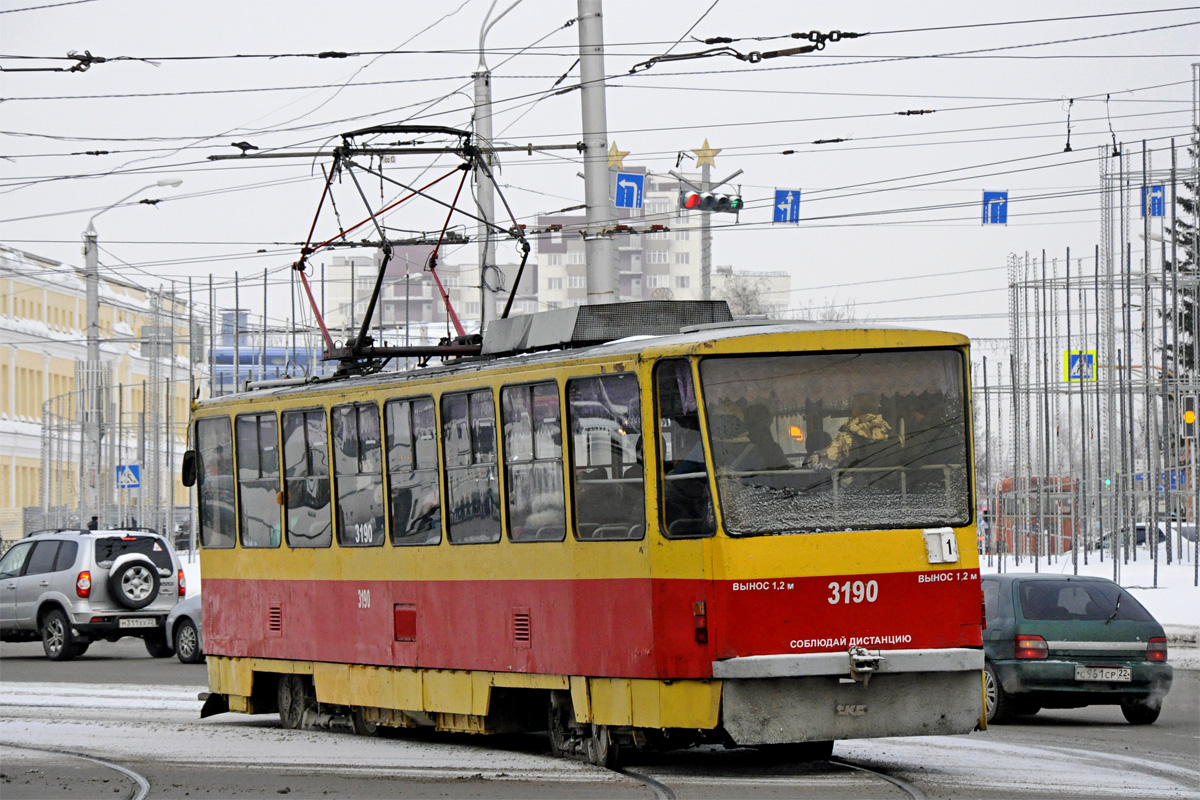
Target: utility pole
(601,283)
(489,274)
(90,456)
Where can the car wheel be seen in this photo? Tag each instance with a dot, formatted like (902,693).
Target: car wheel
(156,645)
(996,700)
(187,643)
(134,584)
(1141,711)
(57,639)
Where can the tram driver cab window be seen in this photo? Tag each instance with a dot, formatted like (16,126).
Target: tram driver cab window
(215,483)
(606,463)
(358,475)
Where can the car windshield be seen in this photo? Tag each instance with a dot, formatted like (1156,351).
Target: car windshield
(110,548)
(838,441)
(1079,600)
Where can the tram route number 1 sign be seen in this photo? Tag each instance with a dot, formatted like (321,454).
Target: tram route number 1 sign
(1079,365)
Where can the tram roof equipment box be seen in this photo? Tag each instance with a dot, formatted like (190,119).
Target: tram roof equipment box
(580,326)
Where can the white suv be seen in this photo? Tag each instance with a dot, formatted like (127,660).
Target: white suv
(72,587)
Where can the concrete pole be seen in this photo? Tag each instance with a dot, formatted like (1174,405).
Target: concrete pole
(601,279)
(89,458)
(485,198)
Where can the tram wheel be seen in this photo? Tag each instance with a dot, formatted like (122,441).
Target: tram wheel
(292,699)
(556,725)
(358,719)
(601,749)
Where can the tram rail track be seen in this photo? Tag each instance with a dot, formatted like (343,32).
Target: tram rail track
(141,786)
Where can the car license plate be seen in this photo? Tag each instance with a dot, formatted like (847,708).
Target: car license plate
(1118,674)
(138,622)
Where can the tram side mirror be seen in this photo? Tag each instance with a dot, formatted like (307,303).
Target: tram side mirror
(187,473)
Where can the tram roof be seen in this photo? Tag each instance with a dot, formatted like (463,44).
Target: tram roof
(627,346)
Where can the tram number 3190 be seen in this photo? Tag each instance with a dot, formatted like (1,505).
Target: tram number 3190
(853,592)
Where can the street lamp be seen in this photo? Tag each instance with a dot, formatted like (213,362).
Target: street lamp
(90,457)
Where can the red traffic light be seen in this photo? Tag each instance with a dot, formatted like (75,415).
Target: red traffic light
(690,200)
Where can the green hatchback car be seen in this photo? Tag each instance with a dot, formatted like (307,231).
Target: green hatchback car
(1055,641)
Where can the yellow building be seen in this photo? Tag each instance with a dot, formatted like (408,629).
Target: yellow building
(43,350)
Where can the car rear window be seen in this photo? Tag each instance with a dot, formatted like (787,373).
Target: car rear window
(110,548)
(1079,600)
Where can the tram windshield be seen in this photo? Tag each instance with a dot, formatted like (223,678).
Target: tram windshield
(838,441)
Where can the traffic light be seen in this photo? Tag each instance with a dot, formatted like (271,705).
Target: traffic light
(710,201)
(1189,417)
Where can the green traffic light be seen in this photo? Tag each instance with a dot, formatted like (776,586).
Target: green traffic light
(735,203)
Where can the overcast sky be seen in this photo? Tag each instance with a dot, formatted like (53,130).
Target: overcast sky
(890,220)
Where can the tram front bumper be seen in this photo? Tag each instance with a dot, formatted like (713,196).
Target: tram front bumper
(820,696)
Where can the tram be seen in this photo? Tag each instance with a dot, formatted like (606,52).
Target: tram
(633,525)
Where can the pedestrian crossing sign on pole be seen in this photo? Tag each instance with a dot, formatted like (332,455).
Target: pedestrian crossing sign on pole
(1079,365)
(129,476)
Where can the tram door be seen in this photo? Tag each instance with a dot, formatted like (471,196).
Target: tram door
(685,507)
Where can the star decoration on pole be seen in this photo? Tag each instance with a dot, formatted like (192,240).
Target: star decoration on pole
(616,158)
(706,155)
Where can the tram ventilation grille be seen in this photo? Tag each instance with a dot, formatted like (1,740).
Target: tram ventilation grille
(520,627)
(275,620)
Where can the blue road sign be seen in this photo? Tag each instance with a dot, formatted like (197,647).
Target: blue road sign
(1157,202)
(787,205)
(129,476)
(629,190)
(1080,366)
(995,208)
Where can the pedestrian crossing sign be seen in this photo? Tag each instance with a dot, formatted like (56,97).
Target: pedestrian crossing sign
(129,476)
(1079,365)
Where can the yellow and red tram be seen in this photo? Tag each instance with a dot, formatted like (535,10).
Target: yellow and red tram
(749,533)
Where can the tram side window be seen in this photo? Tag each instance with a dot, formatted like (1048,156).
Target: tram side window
(416,507)
(533,463)
(606,458)
(214,482)
(472,484)
(306,478)
(358,475)
(687,503)
(258,479)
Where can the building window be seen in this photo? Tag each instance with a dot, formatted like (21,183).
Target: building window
(575,282)
(554,284)
(683,236)
(658,281)
(472,309)
(576,257)
(683,258)
(657,207)
(656,257)
(659,235)
(683,215)
(682,281)
(554,259)
(553,305)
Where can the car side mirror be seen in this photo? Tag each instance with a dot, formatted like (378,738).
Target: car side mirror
(187,473)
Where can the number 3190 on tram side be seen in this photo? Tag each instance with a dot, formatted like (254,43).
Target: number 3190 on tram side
(614,525)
